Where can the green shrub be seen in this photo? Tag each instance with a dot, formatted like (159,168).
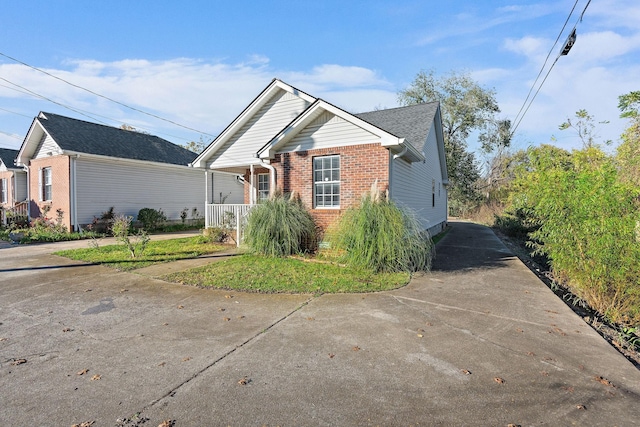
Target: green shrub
(380,236)
(280,226)
(588,223)
(151,219)
(216,234)
(121,228)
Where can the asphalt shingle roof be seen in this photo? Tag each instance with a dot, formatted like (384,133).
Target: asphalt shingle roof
(412,122)
(7,156)
(91,138)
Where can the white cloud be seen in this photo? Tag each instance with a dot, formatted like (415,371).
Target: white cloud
(202,95)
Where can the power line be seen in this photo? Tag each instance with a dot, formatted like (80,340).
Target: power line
(77,110)
(565,50)
(13,112)
(52,101)
(104,97)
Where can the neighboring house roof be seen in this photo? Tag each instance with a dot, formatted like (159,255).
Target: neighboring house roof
(78,136)
(412,122)
(7,157)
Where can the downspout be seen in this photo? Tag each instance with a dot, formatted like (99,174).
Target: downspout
(272,175)
(402,153)
(73,199)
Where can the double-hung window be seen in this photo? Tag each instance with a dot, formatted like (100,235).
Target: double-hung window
(46,184)
(326,181)
(4,191)
(263,186)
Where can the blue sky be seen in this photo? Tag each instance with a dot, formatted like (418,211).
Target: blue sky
(199,63)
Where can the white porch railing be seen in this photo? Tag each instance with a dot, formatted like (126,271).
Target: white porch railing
(232,216)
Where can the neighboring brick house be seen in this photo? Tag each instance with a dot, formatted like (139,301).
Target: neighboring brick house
(13,181)
(289,140)
(83,169)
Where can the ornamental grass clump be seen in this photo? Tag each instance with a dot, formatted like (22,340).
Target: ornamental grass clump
(280,226)
(380,236)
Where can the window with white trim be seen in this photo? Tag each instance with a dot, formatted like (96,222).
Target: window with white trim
(263,186)
(46,184)
(326,181)
(4,192)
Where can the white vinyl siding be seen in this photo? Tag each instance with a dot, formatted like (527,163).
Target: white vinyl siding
(264,125)
(328,131)
(326,181)
(263,186)
(413,185)
(226,189)
(47,148)
(20,183)
(130,186)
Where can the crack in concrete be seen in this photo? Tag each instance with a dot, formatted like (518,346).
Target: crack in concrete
(175,389)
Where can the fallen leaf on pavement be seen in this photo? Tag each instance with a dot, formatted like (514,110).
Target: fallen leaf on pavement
(226,319)
(161,364)
(466,372)
(530,353)
(186,359)
(124,290)
(67,330)
(584,408)
(84,424)
(96,377)
(355,348)
(18,362)
(310,318)
(3,339)
(499,380)
(244,381)
(180,307)
(84,371)
(166,423)
(604,381)
(420,335)
(228,296)
(331,355)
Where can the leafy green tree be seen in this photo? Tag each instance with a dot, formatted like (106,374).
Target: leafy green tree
(466,108)
(196,146)
(628,153)
(584,125)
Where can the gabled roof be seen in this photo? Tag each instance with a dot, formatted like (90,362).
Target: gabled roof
(316,109)
(413,122)
(78,136)
(7,157)
(246,115)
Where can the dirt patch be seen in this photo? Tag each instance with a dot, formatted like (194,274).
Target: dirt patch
(612,333)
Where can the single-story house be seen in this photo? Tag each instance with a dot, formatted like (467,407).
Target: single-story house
(13,183)
(82,169)
(290,140)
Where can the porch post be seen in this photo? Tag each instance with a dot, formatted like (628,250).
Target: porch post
(252,196)
(207,193)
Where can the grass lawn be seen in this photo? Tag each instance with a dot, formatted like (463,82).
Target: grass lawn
(118,256)
(253,273)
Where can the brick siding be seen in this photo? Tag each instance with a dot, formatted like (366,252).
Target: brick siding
(360,166)
(60,177)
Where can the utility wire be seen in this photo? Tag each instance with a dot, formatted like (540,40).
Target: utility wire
(52,101)
(551,68)
(13,112)
(545,64)
(104,97)
(79,111)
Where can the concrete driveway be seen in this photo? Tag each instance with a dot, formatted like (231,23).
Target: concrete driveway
(478,341)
